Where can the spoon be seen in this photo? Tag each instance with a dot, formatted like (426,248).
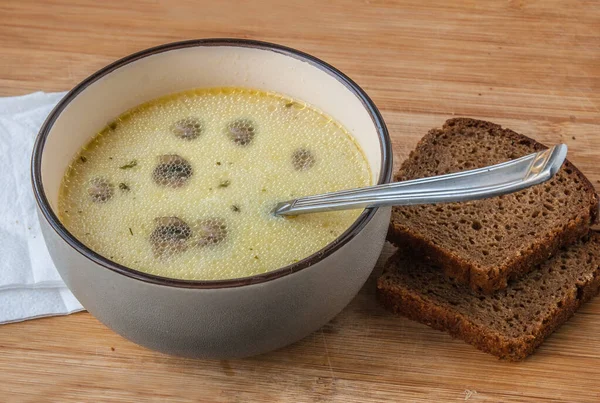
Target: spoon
(494,180)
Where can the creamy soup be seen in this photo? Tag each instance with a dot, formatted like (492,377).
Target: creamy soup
(183,186)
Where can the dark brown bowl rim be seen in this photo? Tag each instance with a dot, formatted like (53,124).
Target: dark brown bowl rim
(355,228)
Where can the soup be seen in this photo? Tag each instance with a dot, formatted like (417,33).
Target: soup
(183,186)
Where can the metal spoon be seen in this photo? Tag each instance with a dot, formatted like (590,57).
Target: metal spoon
(495,180)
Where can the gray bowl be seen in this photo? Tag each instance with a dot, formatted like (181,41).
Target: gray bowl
(216,319)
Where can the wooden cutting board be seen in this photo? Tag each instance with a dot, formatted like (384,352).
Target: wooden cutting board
(533,66)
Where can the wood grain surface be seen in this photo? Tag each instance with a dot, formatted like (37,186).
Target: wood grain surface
(533,66)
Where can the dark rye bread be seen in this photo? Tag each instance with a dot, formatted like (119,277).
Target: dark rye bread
(509,324)
(485,243)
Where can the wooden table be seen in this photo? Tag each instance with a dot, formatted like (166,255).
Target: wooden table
(533,66)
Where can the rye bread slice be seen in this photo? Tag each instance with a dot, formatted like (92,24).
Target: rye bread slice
(509,324)
(486,243)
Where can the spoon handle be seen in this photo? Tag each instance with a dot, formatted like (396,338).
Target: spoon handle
(495,180)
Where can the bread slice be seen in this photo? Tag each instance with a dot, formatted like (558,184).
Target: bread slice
(485,243)
(509,324)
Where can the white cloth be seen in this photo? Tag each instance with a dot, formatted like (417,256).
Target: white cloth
(30,286)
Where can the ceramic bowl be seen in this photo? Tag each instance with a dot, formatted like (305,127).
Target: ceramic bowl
(216,319)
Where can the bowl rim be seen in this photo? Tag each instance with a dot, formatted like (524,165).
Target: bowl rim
(350,233)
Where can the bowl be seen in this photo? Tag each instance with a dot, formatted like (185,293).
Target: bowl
(224,318)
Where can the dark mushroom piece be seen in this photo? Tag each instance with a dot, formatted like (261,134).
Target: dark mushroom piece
(101,190)
(188,129)
(241,131)
(172,171)
(170,236)
(303,159)
(211,231)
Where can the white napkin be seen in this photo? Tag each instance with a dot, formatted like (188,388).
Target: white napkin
(30,286)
